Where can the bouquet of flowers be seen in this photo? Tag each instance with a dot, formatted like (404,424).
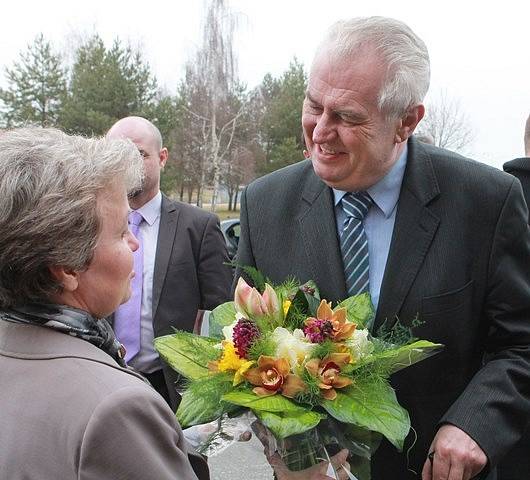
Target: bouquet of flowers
(311,372)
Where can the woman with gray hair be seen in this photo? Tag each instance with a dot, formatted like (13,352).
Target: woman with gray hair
(71,409)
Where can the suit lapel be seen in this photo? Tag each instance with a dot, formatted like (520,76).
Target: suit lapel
(414,231)
(166,236)
(319,234)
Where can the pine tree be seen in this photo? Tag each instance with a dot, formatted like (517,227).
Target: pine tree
(36,87)
(281,117)
(106,85)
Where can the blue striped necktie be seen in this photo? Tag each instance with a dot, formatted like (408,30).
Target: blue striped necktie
(353,243)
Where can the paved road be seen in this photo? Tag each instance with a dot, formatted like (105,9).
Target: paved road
(241,461)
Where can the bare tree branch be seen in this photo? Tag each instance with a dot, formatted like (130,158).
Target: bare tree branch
(446,124)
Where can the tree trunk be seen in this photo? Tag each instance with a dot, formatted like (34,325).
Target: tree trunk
(201,186)
(214,149)
(235,198)
(199,195)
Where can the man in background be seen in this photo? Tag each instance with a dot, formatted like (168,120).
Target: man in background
(179,268)
(516,465)
(520,167)
(426,232)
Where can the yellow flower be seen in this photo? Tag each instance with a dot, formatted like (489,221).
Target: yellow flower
(231,361)
(286,306)
(239,375)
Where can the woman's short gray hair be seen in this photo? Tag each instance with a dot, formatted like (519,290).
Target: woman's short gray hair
(402,51)
(49,184)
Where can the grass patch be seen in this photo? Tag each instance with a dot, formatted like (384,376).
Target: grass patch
(225,214)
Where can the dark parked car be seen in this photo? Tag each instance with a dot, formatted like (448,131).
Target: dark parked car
(231,229)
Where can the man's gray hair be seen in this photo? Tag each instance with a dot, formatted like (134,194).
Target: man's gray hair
(49,185)
(401,50)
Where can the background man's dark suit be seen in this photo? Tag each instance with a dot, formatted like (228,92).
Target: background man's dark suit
(459,259)
(189,273)
(520,167)
(516,465)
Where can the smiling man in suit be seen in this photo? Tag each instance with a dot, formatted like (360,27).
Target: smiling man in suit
(426,232)
(180,265)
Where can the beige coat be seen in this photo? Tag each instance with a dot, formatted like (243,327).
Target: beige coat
(69,411)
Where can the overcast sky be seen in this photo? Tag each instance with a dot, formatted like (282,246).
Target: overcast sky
(480,51)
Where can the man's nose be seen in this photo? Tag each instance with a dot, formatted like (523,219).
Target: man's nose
(324,130)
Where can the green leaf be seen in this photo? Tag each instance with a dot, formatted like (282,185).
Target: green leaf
(257,278)
(187,353)
(283,425)
(398,358)
(221,316)
(303,305)
(359,309)
(201,402)
(273,403)
(309,301)
(371,403)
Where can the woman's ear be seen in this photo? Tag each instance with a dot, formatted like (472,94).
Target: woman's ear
(67,278)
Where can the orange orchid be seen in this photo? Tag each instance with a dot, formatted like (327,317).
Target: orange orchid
(272,375)
(327,371)
(341,328)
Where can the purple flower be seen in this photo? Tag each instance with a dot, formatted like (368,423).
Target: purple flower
(245,332)
(317,330)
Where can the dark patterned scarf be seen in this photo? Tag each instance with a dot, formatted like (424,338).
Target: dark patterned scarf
(72,321)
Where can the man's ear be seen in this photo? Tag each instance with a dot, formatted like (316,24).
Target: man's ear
(67,278)
(163,155)
(409,122)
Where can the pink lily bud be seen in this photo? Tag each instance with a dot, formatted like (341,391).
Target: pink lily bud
(249,302)
(271,300)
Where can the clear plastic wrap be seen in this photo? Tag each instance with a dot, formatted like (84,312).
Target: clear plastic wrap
(297,452)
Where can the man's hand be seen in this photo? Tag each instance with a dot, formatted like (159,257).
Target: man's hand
(316,472)
(456,456)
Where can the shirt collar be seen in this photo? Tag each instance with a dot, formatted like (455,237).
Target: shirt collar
(385,192)
(151,210)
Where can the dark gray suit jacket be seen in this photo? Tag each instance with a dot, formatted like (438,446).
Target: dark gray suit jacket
(516,465)
(190,272)
(520,168)
(459,259)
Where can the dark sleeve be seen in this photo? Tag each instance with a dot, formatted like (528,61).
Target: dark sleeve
(524,177)
(214,273)
(244,256)
(495,406)
(133,435)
